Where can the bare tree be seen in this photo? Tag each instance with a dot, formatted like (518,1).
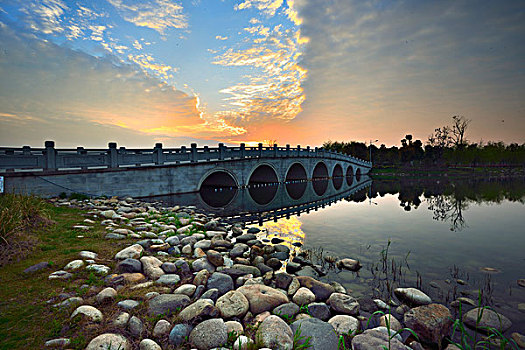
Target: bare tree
(459,129)
(270,142)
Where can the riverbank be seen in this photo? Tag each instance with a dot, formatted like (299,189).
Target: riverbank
(128,274)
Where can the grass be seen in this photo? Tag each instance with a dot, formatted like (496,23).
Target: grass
(26,320)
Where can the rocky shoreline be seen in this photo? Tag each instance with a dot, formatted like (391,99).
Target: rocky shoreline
(193,281)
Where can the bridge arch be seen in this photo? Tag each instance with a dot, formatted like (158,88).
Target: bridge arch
(320,178)
(349,175)
(263,183)
(337,176)
(296,180)
(218,187)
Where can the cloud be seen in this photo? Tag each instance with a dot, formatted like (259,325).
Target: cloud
(218,37)
(45,16)
(382,68)
(273,89)
(49,91)
(159,15)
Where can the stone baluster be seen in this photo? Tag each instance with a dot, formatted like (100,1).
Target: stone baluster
(50,156)
(158,154)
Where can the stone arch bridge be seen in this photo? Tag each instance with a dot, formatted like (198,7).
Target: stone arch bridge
(120,171)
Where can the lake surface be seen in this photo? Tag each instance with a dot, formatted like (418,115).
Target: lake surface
(449,238)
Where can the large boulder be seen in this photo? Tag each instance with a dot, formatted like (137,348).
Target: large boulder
(343,304)
(430,322)
(262,298)
(167,304)
(319,334)
(487,318)
(209,334)
(233,304)
(274,333)
(321,290)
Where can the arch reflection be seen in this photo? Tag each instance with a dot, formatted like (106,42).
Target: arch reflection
(349,175)
(337,177)
(320,178)
(218,189)
(263,184)
(296,181)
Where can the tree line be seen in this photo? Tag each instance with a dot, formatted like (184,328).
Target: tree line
(446,146)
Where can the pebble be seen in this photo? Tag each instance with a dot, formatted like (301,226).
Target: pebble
(60,275)
(412,295)
(91,313)
(274,333)
(186,289)
(209,334)
(232,304)
(178,334)
(167,304)
(149,344)
(161,329)
(168,280)
(121,320)
(57,343)
(109,341)
(74,265)
(135,326)
(106,295)
(128,304)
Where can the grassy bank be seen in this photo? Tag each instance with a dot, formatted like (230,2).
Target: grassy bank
(26,320)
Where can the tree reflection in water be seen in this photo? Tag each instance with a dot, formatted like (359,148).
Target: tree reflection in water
(449,199)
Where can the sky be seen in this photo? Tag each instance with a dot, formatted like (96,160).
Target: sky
(138,72)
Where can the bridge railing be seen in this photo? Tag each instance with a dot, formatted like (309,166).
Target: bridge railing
(50,158)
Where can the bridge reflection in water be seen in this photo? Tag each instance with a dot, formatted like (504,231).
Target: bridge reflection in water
(264,201)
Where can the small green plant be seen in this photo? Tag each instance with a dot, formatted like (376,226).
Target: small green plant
(78,196)
(467,342)
(389,331)
(300,341)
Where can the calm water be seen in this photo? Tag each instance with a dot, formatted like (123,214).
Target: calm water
(439,231)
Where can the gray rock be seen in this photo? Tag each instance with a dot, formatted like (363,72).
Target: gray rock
(489,318)
(319,310)
(274,333)
(132,252)
(253,230)
(280,255)
(37,267)
(274,263)
(211,294)
(161,329)
(98,269)
(202,264)
(109,341)
(112,235)
(168,280)
(88,255)
(178,334)
(262,298)
(173,241)
(247,269)
(135,326)
(220,281)
(149,344)
(74,265)
(184,268)
(129,265)
(282,280)
(106,295)
(186,289)
(245,238)
(151,267)
(57,343)
(344,325)
(128,304)
(169,267)
(373,339)
(167,304)
(431,322)
(89,312)
(303,296)
(60,275)
(204,244)
(215,257)
(199,310)
(73,301)
(321,290)
(209,334)
(238,250)
(292,267)
(413,296)
(286,311)
(233,304)
(121,320)
(349,264)
(343,303)
(321,334)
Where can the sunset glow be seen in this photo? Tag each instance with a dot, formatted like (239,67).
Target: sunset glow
(294,71)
